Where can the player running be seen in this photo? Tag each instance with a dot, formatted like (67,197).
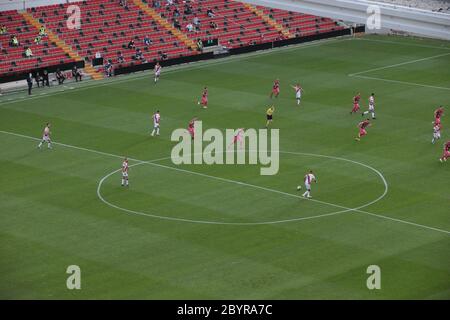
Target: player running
(239,136)
(125,173)
(204,99)
(269,115)
(436,132)
(308,179)
(298,92)
(46,137)
(157,71)
(156,118)
(438,114)
(362,129)
(371,106)
(356,103)
(446,153)
(191,126)
(275,89)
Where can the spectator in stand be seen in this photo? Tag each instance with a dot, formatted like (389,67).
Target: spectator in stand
(199,44)
(14,42)
(60,76)
(76,73)
(176,13)
(28,52)
(196,23)
(120,58)
(213,25)
(131,44)
(210,13)
(176,24)
(189,27)
(3,30)
(139,56)
(169,3)
(98,55)
(42,32)
(30,82)
(163,56)
(38,39)
(187,9)
(123,3)
(147,40)
(156,4)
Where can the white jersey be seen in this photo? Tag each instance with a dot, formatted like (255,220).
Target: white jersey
(298,92)
(371,103)
(156,119)
(437,131)
(46,134)
(309,178)
(157,70)
(125,169)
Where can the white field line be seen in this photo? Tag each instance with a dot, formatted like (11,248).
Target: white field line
(400,43)
(399,64)
(239,183)
(402,82)
(174,69)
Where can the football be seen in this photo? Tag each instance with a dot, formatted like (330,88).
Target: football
(299,187)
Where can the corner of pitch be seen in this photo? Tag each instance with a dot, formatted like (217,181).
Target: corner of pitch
(237,146)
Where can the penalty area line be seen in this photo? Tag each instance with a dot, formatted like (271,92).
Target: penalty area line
(232,181)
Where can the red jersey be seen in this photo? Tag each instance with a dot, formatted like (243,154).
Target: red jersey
(205,93)
(356,99)
(276,84)
(438,113)
(364,124)
(447,146)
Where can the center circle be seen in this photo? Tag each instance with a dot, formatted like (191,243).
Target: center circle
(340,208)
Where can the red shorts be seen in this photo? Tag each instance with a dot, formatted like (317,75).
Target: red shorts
(437,120)
(446,154)
(355,107)
(276,91)
(204,101)
(362,132)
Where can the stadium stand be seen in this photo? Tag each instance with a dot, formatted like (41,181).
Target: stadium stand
(13,59)
(159,29)
(431,5)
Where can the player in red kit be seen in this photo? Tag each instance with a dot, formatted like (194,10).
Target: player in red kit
(446,153)
(204,99)
(191,127)
(356,103)
(275,89)
(438,114)
(362,129)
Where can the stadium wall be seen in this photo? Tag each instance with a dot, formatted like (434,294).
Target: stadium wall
(398,18)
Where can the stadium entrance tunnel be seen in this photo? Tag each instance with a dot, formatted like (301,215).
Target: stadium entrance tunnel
(239,195)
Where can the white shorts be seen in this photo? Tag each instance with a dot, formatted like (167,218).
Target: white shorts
(124,174)
(155,125)
(307,186)
(437,135)
(298,95)
(371,108)
(157,74)
(46,138)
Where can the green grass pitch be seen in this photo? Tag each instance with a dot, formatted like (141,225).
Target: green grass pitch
(52,217)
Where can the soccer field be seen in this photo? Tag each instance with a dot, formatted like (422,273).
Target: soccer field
(225,231)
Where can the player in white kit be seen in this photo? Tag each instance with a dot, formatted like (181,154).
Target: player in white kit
(436,132)
(125,173)
(309,178)
(371,106)
(157,71)
(46,137)
(156,118)
(298,92)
